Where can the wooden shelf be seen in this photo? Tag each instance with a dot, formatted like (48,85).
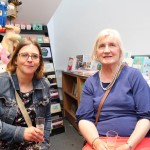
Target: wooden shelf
(71,114)
(43,32)
(71,120)
(45,44)
(70,94)
(72,85)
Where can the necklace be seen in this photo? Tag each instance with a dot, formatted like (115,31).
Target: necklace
(112,82)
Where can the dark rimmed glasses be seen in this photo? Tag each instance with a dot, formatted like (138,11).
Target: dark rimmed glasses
(25,56)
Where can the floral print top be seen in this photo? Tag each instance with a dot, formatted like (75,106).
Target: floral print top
(19,121)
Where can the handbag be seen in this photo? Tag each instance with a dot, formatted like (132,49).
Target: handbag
(103,99)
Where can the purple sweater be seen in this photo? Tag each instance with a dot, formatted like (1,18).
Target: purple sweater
(127,102)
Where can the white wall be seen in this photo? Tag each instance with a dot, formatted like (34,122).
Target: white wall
(76,23)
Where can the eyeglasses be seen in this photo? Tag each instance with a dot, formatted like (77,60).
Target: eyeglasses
(25,56)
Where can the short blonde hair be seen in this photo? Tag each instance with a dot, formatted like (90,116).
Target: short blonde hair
(11,66)
(101,36)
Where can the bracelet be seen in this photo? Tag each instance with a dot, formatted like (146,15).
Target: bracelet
(94,141)
(130,147)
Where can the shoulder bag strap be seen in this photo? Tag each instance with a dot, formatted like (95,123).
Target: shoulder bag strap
(21,105)
(101,105)
(23,109)
(104,98)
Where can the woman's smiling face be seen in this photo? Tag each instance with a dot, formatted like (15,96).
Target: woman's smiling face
(28,66)
(108,51)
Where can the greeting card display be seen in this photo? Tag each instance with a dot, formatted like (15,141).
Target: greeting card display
(46,52)
(71,64)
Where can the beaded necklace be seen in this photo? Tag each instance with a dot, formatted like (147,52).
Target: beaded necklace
(112,82)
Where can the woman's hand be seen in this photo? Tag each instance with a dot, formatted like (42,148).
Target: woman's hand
(99,145)
(123,147)
(33,134)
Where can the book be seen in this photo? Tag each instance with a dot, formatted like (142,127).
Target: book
(46,52)
(46,39)
(55,108)
(57,121)
(74,89)
(127,58)
(48,67)
(139,62)
(54,93)
(95,65)
(146,70)
(73,108)
(52,80)
(40,39)
(85,72)
(51,76)
(83,62)
(146,67)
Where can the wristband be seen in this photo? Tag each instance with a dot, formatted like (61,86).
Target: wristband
(130,147)
(94,141)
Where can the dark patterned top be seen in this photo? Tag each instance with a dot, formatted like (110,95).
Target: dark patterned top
(19,121)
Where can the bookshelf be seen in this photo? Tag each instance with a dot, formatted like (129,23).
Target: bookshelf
(57,118)
(72,87)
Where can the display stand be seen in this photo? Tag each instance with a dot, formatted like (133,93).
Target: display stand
(72,87)
(49,72)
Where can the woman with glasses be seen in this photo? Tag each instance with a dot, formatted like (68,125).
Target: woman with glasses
(25,75)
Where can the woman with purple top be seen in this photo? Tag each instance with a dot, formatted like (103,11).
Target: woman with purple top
(127,107)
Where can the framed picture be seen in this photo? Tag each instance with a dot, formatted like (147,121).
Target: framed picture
(46,52)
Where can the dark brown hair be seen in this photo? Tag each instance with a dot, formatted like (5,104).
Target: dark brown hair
(11,66)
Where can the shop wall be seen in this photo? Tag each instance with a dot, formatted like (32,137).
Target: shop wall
(76,23)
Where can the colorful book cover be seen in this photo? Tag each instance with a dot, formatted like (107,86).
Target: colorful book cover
(95,65)
(127,58)
(46,40)
(40,39)
(146,67)
(79,62)
(83,62)
(48,67)
(54,93)
(138,62)
(46,52)
(55,108)
(52,79)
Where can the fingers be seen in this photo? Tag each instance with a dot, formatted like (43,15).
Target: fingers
(38,131)
(100,145)
(37,138)
(33,134)
(38,135)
